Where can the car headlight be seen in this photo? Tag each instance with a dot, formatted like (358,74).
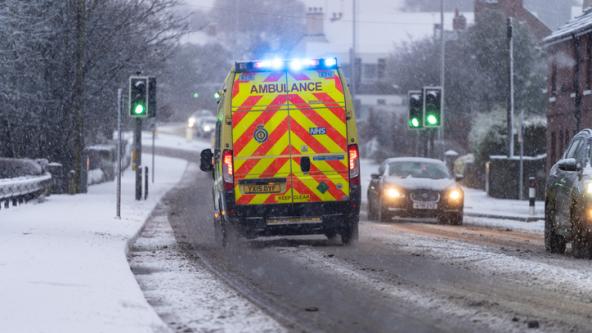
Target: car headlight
(207,128)
(393,193)
(589,189)
(454,195)
(191,122)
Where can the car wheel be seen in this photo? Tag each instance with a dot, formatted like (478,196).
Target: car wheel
(350,231)
(371,210)
(383,214)
(554,243)
(582,241)
(455,219)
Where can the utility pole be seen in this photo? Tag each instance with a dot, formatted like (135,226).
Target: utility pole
(236,29)
(510,107)
(80,180)
(119,141)
(442,74)
(353,52)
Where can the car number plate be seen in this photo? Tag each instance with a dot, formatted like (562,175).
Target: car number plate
(293,220)
(262,188)
(425,205)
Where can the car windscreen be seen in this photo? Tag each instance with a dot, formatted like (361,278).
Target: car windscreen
(417,169)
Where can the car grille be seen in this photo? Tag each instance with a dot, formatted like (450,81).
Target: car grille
(425,195)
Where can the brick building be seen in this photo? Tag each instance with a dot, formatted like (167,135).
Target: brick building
(515,9)
(569,86)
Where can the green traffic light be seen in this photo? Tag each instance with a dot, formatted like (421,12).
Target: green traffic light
(414,122)
(139,109)
(432,119)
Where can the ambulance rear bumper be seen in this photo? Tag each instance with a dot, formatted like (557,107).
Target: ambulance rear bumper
(293,219)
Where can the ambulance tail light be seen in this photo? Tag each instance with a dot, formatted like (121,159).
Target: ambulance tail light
(354,164)
(227,170)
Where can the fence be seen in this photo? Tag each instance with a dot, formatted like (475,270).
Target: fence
(21,189)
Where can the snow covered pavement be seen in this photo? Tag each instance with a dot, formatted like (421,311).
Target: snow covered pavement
(63,265)
(183,291)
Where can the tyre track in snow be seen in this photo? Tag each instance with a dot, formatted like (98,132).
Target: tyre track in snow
(400,277)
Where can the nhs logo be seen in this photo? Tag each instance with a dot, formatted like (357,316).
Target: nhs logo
(317,131)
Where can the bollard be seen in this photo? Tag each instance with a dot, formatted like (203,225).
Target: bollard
(139,183)
(531,194)
(145,183)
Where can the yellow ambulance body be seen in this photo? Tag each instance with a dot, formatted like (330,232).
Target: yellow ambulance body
(286,159)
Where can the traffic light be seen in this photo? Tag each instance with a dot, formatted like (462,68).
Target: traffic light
(415,109)
(138,97)
(432,106)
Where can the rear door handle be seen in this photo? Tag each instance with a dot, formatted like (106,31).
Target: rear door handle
(305,164)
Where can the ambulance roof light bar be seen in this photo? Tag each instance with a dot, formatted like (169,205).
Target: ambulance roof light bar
(293,65)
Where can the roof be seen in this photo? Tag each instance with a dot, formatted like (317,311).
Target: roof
(381,26)
(578,26)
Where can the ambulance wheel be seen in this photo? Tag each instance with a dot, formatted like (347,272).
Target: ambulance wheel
(331,234)
(219,233)
(350,231)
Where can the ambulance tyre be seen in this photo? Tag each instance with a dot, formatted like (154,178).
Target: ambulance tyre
(331,234)
(350,230)
(219,233)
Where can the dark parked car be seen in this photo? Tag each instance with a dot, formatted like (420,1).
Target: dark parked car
(415,188)
(568,199)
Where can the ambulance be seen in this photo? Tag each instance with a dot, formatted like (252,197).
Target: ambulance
(285,159)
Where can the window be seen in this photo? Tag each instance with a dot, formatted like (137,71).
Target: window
(381,70)
(381,169)
(573,149)
(369,73)
(218,134)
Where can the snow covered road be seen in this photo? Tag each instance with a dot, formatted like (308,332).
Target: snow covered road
(401,276)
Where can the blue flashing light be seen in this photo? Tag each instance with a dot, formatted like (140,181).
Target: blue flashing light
(296,65)
(277,64)
(330,62)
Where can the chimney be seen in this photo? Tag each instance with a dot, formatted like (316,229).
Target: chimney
(459,22)
(315,22)
(587,4)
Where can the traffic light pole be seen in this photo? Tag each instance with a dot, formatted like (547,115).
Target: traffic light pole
(119,140)
(138,157)
(442,76)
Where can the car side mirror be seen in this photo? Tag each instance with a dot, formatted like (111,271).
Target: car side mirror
(569,164)
(206,160)
(375,176)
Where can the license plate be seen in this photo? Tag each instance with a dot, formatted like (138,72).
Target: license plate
(261,188)
(425,205)
(293,220)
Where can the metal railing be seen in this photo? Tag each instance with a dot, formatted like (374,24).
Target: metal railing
(22,189)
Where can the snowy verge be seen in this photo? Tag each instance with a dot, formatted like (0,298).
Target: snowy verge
(64,262)
(166,272)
